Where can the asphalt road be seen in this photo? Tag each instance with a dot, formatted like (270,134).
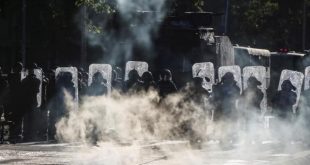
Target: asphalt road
(159,153)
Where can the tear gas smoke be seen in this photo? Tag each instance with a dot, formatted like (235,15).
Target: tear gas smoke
(127,129)
(125,125)
(127,119)
(139,22)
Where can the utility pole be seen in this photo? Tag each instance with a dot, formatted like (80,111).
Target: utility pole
(304,26)
(23,38)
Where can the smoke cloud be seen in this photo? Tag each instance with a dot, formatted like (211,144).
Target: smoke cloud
(129,118)
(122,126)
(140,128)
(137,23)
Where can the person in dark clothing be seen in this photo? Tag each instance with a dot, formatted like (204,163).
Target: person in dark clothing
(43,113)
(303,115)
(116,81)
(148,81)
(45,82)
(119,73)
(51,103)
(252,96)
(166,85)
(3,94)
(15,110)
(200,95)
(197,90)
(30,88)
(224,100)
(225,95)
(82,85)
(14,80)
(305,100)
(283,101)
(98,87)
(64,85)
(51,86)
(194,110)
(3,81)
(250,101)
(133,84)
(64,82)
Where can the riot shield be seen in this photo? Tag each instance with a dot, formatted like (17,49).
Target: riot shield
(307,78)
(235,70)
(296,79)
(259,72)
(105,70)
(140,66)
(205,69)
(39,75)
(74,73)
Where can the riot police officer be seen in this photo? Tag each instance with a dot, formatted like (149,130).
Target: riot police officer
(165,85)
(3,93)
(98,87)
(284,100)
(133,84)
(252,96)
(30,87)
(14,109)
(148,81)
(225,95)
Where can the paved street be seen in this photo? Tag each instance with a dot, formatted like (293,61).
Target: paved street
(170,152)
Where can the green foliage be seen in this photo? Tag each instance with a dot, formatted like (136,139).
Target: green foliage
(99,6)
(267,23)
(260,23)
(109,6)
(199,4)
(253,15)
(94,29)
(187,5)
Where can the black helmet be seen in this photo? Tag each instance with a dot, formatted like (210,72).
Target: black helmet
(197,81)
(133,75)
(18,67)
(287,84)
(147,76)
(253,81)
(166,74)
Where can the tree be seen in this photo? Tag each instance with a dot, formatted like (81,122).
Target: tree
(110,6)
(250,20)
(186,5)
(99,6)
(267,23)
